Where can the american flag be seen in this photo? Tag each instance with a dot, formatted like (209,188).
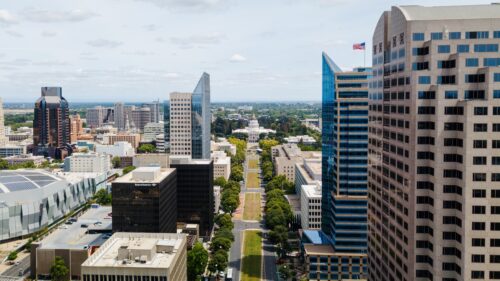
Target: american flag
(358,46)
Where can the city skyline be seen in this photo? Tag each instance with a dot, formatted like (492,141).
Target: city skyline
(157,47)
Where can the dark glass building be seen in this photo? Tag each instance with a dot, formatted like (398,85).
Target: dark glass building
(195,192)
(51,124)
(145,200)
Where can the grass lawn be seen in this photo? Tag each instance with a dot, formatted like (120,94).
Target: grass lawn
(252,206)
(252,259)
(253,163)
(253,180)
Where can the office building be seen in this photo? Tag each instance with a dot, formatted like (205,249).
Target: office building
(287,156)
(51,126)
(307,173)
(302,139)
(74,243)
(195,192)
(151,160)
(119,116)
(154,109)
(76,127)
(133,139)
(223,145)
(151,130)
(433,149)
(145,200)
(12,150)
(310,206)
(120,149)
(140,116)
(160,143)
(190,121)
(34,199)
(88,163)
(166,125)
(25,158)
(222,164)
(136,256)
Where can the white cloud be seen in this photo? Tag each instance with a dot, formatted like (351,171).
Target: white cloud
(7,18)
(171,75)
(14,33)
(237,58)
(104,43)
(151,27)
(140,53)
(193,5)
(48,34)
(46,16)
(198,40)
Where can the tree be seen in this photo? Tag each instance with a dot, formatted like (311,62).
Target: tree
(12,256)
(103,197)
(220,181)
(218,261)
(146,148)
(236,173)
(220,243)
(128,169)
(116,161)
(59,271)
(4,164)
(224,233)
(197,260)
(224,221)
(285,272)
(229,202)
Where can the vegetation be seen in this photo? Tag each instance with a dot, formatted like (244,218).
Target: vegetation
(252,206)
(197,259)
(146,148)
(12,256)
(281,182)
(15,121)
(267,166)
(253,163)
(224,127)
(253,180)
(230,197)
(220,181)
(252,256)
(278,217)
(4,165)
(59,271)
(102,197)
(116,161)
(128,169)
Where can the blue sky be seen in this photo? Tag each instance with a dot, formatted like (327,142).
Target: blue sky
(141,50)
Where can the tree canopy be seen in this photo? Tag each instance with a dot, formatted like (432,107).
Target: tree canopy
(59,271)
(197,259)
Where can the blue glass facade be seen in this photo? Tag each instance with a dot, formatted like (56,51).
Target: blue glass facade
(201,119)
(344,165)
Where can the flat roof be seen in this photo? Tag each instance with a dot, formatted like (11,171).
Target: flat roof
(311,191)
(18,180)
(74,236)
(129,178)
(156,250)
(462,12)
(294,201)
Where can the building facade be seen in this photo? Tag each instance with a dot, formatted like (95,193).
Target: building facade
(119,110)
(307,173)
(151,130)
(51,126)
(88,163)
(433,151)
(154,109)
(3,139)
(119,148)
(310,206)
(195,192)
(153,191)
(222,164)
(140,116)
(76,127)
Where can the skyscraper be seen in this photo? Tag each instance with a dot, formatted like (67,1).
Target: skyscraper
(344,177)
(154,109)
(190,120)
(76,127)
(140,116)
(434,178)
(3,138)
(51,125)
(119,116)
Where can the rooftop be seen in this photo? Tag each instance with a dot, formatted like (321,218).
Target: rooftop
(138,250)
(18,180)
(463,12)
(74,236)
(312,191)
(145,174)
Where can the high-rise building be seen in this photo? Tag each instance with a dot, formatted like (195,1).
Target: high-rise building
(343,235)
(119,116)
(76,127)
(51,126)
(145,200)
(166,125)
(195,192)
(98,116)
(3,139)
(154,109)
(140,116)
(190,119)
(151,130)
(434,179)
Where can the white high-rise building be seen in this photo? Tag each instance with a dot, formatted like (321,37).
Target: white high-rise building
(434,144)
(120,116)
(310,206)
(180,123)
(88,163)
(151,130)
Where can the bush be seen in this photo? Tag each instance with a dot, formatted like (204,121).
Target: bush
(12,256)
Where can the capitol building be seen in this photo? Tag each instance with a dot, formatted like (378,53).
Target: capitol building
(253,130)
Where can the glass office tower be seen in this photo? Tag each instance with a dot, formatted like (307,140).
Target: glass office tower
(338,251)
(201,119)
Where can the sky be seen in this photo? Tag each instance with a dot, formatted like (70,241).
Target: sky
(141,50)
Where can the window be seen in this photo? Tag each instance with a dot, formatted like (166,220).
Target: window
(491,61)
(462,48)
(495,143)
(478,242)
(495,193)
(475,274)
(450,95)
(478,258)
(496,77)
(482,48)
(479,210)
(472,62)
(496,94)
(495,226)
(494,258)
(474,78)
(478,226)
(495,242)
(452,189)
(418,36)
(481,110)
(479,160)
(425,155)
(448,235)
(479,193)
(452,220)
(453,110)
(446,79)
(476,35)
(453,142)
(457,158)
(436,35)
(452,173)
(446,64)
(426,110)
(443,49)
(455,35)
(480,127)
(496,34)
(453,126)
(424,170)
(425,140)
(426,95)
(478,176)
(420,51)
(495,177)
(495,160)
(428,125)
(474,94)
(420,65)
(496,110)
(424,80)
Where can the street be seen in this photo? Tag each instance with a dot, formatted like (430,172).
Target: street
(23,266)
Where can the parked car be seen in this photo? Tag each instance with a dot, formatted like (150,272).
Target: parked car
(84,225)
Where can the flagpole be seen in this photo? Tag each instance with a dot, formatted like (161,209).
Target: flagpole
(364,57)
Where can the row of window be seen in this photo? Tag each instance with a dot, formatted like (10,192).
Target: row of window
(420,36)
(461,48)
(450,79)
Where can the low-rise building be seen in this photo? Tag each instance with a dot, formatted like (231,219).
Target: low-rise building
(151,130)
(223,145)
(136,256)
(151,160)
(74,242)
(222,164)
(307,173)
(11,150)
(120,149)
(310,206)
(133,139)
(304,139)
(286,156)
(88,163)
(253,131)
(25,158)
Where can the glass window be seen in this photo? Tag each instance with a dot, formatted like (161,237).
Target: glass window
(418,36)
(450,94)
(496,34)
(443,49)
(481,48)
(496,77)
(476,34)
(424,80)
(462,48)
(436,35)
(402,53)
(491,62)
(472,62)
(455,35)
(496,94)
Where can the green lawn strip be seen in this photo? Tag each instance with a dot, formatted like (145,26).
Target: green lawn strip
(252,206)
(253,164)
(252,256)
(253,180)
